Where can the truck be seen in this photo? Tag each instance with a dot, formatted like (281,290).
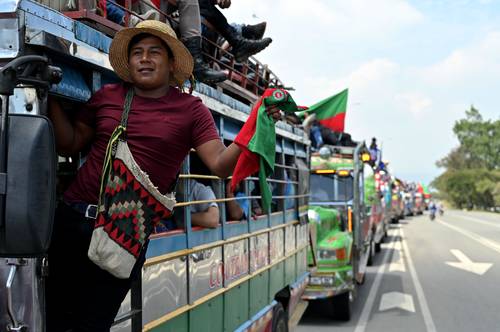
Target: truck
(397,200)
(245,274)
(342,226)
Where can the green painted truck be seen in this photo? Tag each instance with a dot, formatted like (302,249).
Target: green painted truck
(341,228)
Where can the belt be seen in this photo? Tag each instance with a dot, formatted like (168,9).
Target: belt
(88,210)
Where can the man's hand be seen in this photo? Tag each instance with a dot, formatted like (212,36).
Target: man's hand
(224,3)
(274,112)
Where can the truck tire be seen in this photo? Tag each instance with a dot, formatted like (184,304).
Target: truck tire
(341,306)
(280,319)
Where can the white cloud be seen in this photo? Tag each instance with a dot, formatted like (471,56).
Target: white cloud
(416,103)
(338,20)
(476,62)
(406,95)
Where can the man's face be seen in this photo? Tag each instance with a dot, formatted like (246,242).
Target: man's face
(149,64)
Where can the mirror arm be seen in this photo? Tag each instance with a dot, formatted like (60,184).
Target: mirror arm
(15,326)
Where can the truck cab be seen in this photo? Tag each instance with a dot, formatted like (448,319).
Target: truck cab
(341,227)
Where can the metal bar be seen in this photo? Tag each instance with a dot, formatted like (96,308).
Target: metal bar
(8,286)
(4,100)
(136,303)
(187,208)
(286,166)
(356,196)
(199,176)
(272,180)
(292,196)
(281,174)
(126,316)
(223,224)
(217,200)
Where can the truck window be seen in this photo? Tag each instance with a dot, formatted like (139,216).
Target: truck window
(331,188)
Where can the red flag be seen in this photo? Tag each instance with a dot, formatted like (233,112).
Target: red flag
(331,111)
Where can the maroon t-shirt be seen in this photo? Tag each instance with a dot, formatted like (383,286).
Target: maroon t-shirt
(160,133)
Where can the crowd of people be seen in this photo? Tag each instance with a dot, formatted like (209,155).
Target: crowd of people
(192,19)
(138,133)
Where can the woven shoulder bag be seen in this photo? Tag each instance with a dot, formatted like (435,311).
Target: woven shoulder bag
(129,208)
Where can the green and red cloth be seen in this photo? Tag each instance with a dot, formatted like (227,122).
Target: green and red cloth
(257,141)
(330,112)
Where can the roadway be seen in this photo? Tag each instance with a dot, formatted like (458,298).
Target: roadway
(440,275)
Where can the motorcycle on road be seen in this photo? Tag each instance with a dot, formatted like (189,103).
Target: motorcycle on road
(432,216)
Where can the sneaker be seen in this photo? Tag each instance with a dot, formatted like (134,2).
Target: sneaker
(255,31)
(149,15)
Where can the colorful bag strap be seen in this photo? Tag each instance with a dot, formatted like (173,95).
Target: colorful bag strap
(126,108)
(118,133)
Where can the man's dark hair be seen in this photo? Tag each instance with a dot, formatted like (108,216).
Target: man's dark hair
(141,36)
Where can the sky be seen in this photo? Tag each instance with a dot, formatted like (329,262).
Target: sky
(412,67)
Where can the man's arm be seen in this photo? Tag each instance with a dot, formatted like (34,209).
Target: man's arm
(221,160)
(70,138)
(208,218)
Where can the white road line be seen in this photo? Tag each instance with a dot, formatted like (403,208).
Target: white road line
(465,263)
(397,266)
(479,221)
(397,300)
(485,242)
(367,308)
(426,313)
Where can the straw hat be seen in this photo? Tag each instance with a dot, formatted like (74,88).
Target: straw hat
(118,51)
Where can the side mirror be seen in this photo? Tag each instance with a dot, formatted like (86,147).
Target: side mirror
(26,225)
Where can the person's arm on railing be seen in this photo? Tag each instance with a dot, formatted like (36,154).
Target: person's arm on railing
(234,210)
(208,218)
(70,137)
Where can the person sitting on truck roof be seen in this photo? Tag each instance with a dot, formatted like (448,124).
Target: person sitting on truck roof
(163,125)
(374,153)
(142,10)
(189,28)
(242,48)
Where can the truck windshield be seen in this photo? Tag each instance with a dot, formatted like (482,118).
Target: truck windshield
(331,188)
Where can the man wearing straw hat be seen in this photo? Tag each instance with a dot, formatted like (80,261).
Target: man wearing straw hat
(163,125)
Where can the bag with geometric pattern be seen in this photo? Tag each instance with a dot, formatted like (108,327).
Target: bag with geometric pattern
(129,208)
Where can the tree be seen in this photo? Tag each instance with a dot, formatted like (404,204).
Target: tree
(472,170)
(479,139)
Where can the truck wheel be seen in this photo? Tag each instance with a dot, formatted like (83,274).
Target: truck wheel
(341,305)
(280,319)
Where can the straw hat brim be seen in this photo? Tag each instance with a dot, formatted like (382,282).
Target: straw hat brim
(118,52)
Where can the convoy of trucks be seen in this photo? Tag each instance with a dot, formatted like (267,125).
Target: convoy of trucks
(352,199)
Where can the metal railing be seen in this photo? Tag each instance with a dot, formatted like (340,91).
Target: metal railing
(250,76)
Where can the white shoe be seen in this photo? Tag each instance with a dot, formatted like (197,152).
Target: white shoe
(149,15)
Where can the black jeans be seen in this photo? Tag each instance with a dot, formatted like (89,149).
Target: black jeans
(81,297)
(216,18)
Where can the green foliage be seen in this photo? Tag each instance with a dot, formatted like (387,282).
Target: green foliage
(472,175)
(469,188)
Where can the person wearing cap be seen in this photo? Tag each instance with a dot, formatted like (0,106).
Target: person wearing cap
(163,125)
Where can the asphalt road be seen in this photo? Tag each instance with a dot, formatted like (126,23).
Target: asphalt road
(441,275)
